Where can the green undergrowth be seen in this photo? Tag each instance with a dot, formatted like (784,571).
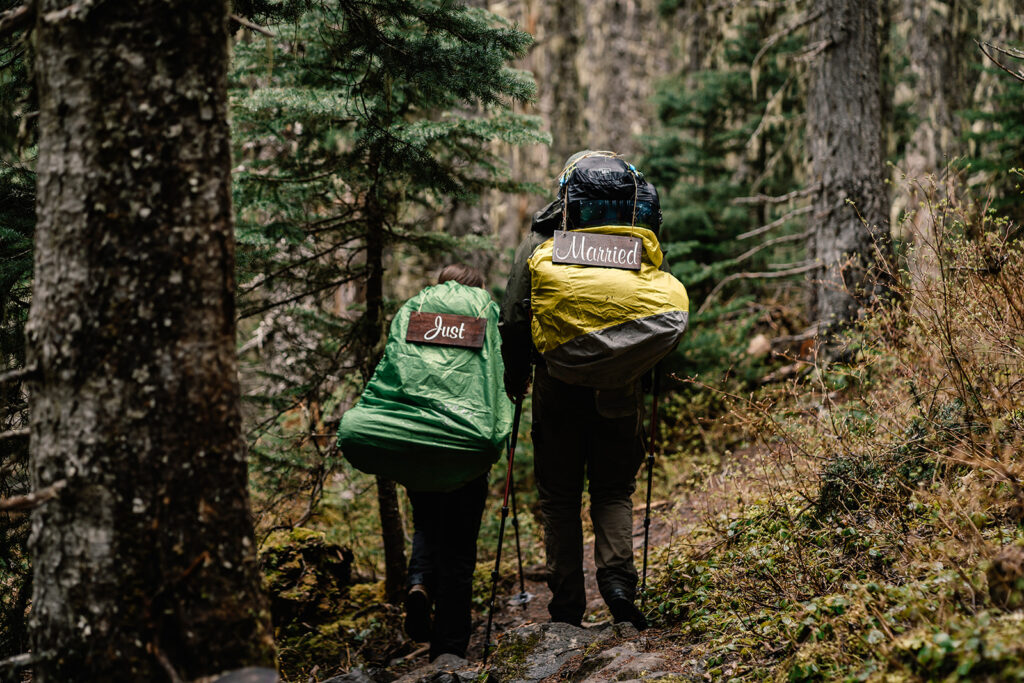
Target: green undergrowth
(876,532)
(323,622)
(782,596)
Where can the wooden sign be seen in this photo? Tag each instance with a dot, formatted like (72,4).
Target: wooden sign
(446,329)
(595,249)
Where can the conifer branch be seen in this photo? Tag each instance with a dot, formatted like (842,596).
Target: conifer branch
(251,26)
(16,19)
(1016,54)
(779,199)
(776,37)
(752,276)
(256,310)
(15,434)
(776,223)
(34,499)
(771,243)
(19,375)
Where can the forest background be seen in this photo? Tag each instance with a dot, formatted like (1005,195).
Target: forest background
(373,143)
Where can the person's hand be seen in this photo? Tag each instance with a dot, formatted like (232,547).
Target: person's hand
(515,392)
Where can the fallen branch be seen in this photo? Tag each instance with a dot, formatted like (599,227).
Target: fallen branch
(776,223)
(251,26)
(752,276)
(34,499)
(15,19)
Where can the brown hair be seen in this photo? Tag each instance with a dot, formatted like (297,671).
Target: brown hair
(465,275)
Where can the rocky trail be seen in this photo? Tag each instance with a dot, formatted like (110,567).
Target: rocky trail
(530,648)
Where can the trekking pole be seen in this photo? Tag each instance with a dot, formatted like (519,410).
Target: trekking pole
(501,527)
(651,445)
(523,596)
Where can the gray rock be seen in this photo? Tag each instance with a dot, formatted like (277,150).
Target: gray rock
(536,651)
(447,668)
(251,674)
(620,663)
(354,676)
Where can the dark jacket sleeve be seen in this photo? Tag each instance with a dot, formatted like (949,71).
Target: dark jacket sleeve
(514,325)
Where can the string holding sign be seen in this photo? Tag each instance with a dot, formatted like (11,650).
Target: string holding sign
(594,249)
(446,329)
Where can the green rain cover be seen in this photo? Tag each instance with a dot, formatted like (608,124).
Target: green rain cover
(432,417)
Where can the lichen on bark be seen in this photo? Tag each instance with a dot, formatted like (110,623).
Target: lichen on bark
(146,561)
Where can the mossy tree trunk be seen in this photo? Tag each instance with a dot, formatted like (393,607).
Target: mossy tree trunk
(145,564)
(844,138)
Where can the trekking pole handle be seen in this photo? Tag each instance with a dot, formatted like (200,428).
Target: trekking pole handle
(512,446)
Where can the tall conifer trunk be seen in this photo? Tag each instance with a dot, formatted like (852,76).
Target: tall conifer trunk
(145,564)
(392,536)
(844,137)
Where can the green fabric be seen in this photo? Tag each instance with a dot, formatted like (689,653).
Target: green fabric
(432,417)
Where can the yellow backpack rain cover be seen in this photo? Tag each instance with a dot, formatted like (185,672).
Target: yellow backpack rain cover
(605,327)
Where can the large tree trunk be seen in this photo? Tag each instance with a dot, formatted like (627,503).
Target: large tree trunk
(145,563)
(845,144)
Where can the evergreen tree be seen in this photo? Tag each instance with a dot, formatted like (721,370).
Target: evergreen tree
(17,219)
(730,130)
(357,128)
(996,132)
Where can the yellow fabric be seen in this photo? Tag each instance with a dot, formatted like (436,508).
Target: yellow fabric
(568,301)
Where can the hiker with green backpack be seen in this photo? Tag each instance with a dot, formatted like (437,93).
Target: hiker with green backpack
(434,417)
(590,303)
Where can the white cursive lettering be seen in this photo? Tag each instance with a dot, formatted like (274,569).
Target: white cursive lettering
(446,331)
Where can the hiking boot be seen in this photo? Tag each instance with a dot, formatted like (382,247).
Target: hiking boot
(623,609)
(417,614)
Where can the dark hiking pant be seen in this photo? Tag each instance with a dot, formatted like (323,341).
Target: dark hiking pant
(580,433)
(444,557)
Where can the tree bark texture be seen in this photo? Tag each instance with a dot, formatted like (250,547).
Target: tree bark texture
(562,102)
(392,536)
(938,53)
(145,564)
(394,540)
(844,138)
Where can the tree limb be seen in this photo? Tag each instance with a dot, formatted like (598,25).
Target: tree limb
(18,662)
(251,26)
(27,372)
(776,37)
(16,19)
(32,500)
(771,243)
(1018,74)
(15,434)
(776,223)
(779,199)
(751,276)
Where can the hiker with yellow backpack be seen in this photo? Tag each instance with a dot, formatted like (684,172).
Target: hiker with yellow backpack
(590,303)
